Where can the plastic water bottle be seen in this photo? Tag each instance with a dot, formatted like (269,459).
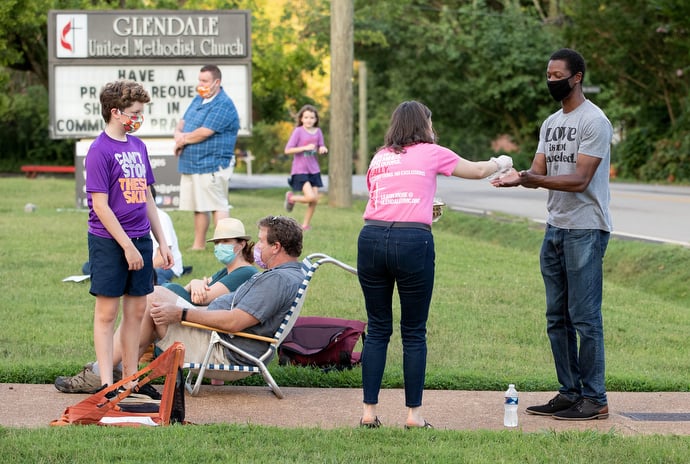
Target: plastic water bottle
(510,416)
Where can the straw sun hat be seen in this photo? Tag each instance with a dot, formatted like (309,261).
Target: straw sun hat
(229,228)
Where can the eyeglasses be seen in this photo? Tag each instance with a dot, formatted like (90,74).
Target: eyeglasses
(133,117)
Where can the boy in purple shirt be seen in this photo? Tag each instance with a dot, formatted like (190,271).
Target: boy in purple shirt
(122,212)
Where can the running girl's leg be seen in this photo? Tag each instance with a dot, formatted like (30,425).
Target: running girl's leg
(312,195)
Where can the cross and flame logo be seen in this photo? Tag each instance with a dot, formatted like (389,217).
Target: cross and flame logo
(64,35)
(71,35)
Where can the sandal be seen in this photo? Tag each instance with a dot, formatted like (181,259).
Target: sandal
(370,425)
(425,426)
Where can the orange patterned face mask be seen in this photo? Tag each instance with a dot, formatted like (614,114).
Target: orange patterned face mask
(204,92)
(134,123)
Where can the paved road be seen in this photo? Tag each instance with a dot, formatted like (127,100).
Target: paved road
(655,213)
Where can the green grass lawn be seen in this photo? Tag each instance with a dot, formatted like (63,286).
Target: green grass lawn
(486,329)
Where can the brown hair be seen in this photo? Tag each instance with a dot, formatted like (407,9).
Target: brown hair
(214,70)
(120,95)
(284,230)
(247,250)
(410,124)
(311,108)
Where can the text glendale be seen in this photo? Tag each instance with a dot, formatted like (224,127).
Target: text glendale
(170,26)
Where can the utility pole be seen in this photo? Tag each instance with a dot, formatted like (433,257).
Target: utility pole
(342,57)
(363,153)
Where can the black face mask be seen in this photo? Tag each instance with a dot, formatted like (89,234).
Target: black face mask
(559,89)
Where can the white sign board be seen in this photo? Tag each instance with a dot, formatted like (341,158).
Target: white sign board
(76,89)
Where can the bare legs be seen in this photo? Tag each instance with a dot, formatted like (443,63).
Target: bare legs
(105,315)
(146,333)
(201,222)
(310,197)
(133,308)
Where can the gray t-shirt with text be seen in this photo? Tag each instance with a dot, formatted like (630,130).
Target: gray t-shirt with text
(563,136)
(268,297)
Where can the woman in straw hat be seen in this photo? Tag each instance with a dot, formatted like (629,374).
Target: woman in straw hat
(234,248)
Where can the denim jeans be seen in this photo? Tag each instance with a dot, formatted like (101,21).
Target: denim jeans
(163,276)
(571,264)
(387,256)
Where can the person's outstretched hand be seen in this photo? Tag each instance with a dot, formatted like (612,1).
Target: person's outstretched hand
(510,178)
(504,163)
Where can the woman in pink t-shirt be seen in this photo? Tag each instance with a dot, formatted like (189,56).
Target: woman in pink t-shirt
(396,247)
(305,144)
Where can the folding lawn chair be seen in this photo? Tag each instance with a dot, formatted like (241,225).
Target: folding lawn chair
(258,364)
(104,410)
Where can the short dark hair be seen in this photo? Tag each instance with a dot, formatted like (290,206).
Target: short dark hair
(311,108)
(120,95)
(575,61)
(410,124)
(284,230)
(214,70)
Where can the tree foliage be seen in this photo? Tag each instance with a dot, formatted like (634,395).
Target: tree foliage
(478,64)
(479,67)
(641,50)
(283,59)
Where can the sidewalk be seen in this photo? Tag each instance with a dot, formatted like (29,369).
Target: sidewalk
(630,413)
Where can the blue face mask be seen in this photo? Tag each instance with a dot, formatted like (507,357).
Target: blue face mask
(225,253)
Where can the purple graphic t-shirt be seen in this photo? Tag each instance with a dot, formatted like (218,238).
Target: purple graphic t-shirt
(122,170)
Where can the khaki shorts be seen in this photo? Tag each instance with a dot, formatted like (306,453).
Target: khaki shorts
(195,344)
(205,192)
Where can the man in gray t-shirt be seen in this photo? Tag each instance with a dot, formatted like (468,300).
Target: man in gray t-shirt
(258,306)
(267,297)
(572,161)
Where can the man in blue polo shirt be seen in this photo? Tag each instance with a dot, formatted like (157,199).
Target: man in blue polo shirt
(205,145)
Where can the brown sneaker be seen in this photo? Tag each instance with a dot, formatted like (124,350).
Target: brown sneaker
(556,404)
(86,381)
(585,409)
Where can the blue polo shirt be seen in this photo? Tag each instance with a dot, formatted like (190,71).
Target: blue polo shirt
(217,151)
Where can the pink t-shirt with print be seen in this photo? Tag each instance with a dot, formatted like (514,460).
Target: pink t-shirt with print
(402,186)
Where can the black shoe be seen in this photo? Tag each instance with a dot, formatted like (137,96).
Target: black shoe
(585,409)
(556,404)
(186,270)
(113,393)
(146,391)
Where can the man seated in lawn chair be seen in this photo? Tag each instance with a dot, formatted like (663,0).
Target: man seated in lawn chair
(257,307)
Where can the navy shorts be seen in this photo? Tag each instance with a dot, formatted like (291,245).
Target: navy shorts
(110,275)
(297,181)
